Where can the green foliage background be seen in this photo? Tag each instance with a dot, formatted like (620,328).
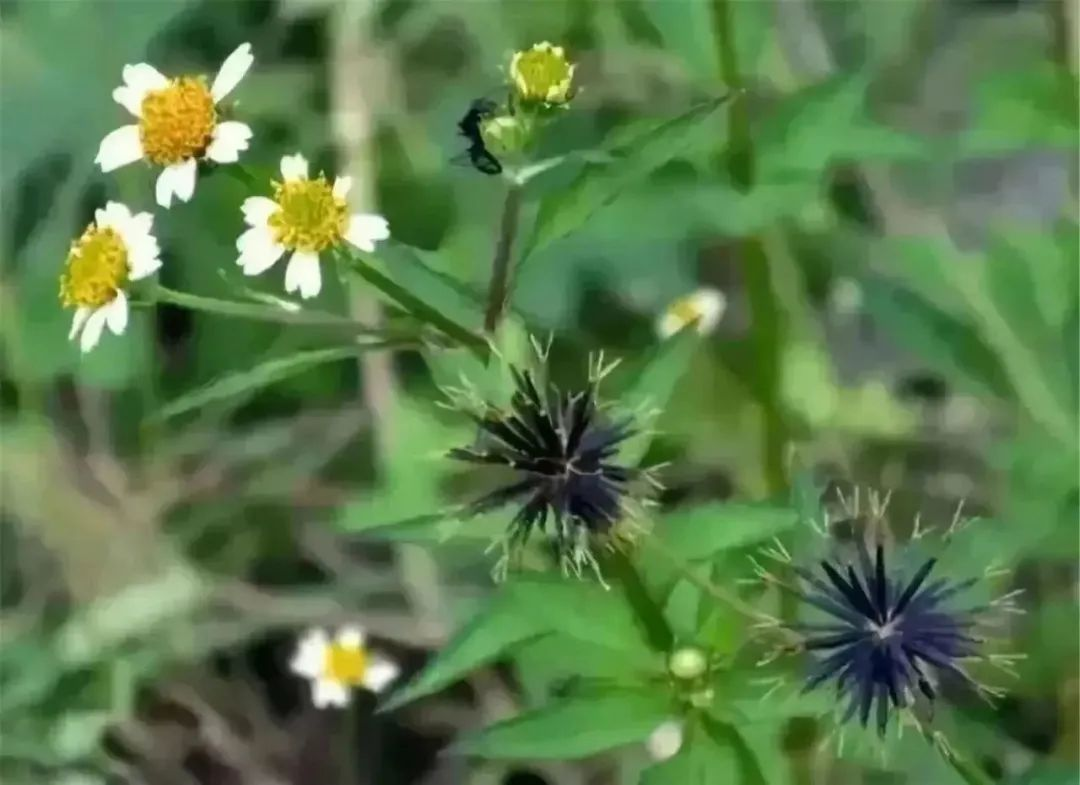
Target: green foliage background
(889,205)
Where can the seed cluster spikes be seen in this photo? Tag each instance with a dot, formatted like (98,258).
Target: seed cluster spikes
(888,637)
(562,451)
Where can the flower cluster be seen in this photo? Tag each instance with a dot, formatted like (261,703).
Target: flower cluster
(181,122)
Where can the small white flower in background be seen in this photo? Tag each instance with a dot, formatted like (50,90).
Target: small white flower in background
(665,741)
(115,249)
(705,307)
(305,217)
(337,665)
(178,124)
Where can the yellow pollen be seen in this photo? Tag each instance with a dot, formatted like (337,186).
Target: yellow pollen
(542,75)
(345,664)
(309,217)
(177,121)
(685,310)
(97,267)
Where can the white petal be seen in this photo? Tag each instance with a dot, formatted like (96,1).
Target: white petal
(116,314)
(351,637)
(232,71)
(115,215)
(303,274)
(258,250)
(310,655)
(294,167)
(342,186)
(119,148)
(379,674)
(365,229)
(258,209)
(129,98)
(82,313)
(144,261)
(329,693)
(144,77)
(91,332)
(230,138)
(176,179)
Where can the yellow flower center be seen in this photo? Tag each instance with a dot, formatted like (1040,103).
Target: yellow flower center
(309,217)
(97,267)
(345,664)
(542,74)
(177,121)
(685,310)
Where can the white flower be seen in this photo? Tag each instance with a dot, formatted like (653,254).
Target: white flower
(305,217)
(703,307)
(336,666)
(178,124)
(115,249)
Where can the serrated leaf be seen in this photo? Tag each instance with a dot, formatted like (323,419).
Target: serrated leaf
(573,728)
(599,184)
(944,342)
(490,633)
(704,531)
(262,375)
(582,610)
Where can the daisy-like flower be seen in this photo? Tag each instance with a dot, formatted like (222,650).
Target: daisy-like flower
(305,217)
(115,249)
(703,308)
(542,75)
(179,124)
(335,666)
(561,450)
(886,638)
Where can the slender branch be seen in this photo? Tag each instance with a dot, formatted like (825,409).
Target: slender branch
(242,310)
(500,265)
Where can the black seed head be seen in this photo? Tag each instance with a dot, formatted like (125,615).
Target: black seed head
(561,450)
(888,638)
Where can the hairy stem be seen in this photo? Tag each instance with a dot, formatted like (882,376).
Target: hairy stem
(499,287)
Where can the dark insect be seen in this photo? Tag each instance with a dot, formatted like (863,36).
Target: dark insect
(561,449)
(888,637)
(469,127)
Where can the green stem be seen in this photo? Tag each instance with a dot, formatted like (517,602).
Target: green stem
(197,302)
(766,335)
(500,265)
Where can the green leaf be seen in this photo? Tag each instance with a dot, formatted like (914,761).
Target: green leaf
(487,636)
(655,380)
(261,375)
(573,728)
(582,610)
(599,184)
(704,531)
(942,341)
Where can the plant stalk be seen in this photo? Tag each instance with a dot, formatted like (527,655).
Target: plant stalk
(765,312)
(499,288)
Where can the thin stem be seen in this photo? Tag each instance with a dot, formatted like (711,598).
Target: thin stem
(242,310)
(500,265)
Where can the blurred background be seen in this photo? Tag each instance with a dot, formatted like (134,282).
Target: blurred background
(901,285)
